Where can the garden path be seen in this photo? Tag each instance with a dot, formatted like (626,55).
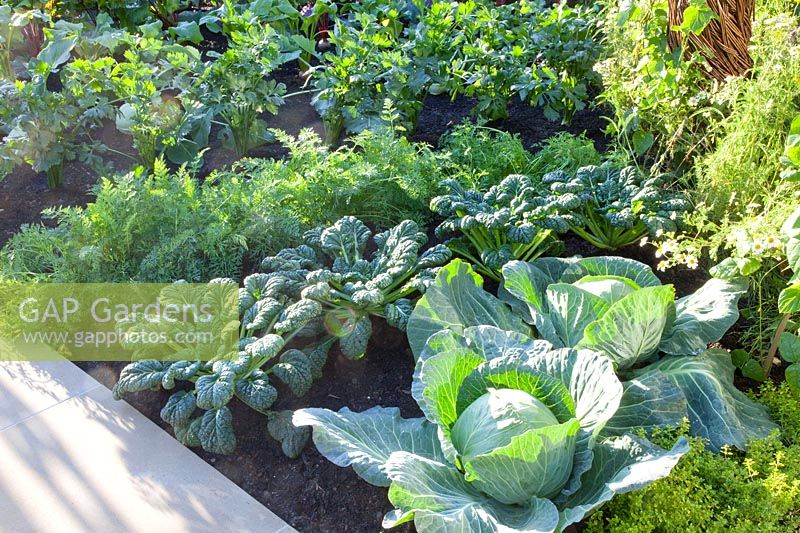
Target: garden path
(73,459)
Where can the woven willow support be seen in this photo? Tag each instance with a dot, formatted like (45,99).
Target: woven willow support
(724,42)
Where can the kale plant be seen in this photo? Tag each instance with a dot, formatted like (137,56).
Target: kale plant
(334,274)
(619,308)
(612,208)
(512,439)
(512,220)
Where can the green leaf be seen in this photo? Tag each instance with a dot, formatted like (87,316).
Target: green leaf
(728,268)
(354,343)
(514,372)
(536,463)
(790,347)
(398,313)
(718,411)
(456,300)
(696,17)
(748,265)
(793,377)
(609,288)
(298,315)
(751,369)
(526,283)
(571,311)
(437,380)
(187,31)
(622,267)
(57,52)
(620,465)
(188,433)
(214,390)
(318,356)
(439,499)
(703,317)
(266,347)
(649,401)
(739,357)
(256,392)
(789,299)
(295,370)
(589,376)
(139,376)
(366,440)
(293,439)
(790,230)
(347,239)
(491,343)
(642,141)
(630,331)
(216,431)
(182,371)
(179,408)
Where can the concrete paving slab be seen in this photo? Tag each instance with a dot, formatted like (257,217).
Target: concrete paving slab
(90,464)
(27,388)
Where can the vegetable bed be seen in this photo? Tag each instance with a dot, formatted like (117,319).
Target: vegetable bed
(311,493)
(500,265)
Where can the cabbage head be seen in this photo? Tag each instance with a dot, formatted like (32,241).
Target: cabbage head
(658,345)
(512,438)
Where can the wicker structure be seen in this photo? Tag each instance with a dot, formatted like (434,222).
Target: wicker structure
(724,42)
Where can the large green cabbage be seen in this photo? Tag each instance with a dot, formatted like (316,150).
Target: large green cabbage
(617,307)
(512,438)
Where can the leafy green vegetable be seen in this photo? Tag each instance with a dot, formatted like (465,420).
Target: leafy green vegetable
(790,160)
(510,440)
(616,307)
(235,85)
(270,318)
(368,66)
(330,269)
(131,232)
(454,301)
(45,128)
(617,207)
(510,221)
(146,80)
(322,291)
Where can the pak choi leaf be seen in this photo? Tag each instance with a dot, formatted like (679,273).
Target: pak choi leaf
(216,431)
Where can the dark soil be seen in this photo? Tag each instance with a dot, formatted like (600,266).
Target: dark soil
(440,113)
(24,194)
(310,493)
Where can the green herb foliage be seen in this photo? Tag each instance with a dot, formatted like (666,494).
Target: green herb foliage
(153,226)
(488,155)
(378,177)
(758,490)
(235,85)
